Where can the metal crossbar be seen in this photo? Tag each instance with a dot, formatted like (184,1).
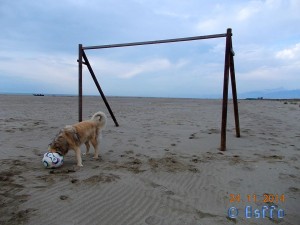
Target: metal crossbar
(155,42)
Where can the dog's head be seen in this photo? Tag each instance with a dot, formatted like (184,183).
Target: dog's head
(59,144)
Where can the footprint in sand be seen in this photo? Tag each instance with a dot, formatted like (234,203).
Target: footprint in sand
(285,176)
(248,168)
(235,182)
(37,152)
(74,181)
(101,178)
(161,188)
(294,189)
(63,197)
(193,136)
(153,220)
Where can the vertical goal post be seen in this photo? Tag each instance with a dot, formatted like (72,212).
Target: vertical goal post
(228,69)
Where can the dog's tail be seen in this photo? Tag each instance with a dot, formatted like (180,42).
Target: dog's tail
(100,118)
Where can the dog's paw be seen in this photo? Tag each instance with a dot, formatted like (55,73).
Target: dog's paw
(96,157)
(80,165)
(85,153)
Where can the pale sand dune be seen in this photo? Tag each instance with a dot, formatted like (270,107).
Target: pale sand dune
(162,165)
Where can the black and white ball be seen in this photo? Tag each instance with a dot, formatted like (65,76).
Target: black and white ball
(52,160)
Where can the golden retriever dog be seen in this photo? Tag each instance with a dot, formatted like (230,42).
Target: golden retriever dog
(73,136)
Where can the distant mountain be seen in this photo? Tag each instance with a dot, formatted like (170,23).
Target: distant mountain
(271,94)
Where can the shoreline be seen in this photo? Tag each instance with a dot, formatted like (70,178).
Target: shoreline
(150,97)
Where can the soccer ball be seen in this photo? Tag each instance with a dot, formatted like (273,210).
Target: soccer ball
(52,160)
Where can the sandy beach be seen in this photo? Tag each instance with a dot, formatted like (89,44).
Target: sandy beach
(161,166)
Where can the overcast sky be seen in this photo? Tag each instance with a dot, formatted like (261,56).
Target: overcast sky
(39,46)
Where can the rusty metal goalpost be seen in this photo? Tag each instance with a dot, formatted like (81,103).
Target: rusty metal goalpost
(228,69)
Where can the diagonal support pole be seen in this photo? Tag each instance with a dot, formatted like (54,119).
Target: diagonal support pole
(87,63)
(234,92)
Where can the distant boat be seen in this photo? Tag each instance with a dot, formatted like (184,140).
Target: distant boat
(259,98)
(38,94)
